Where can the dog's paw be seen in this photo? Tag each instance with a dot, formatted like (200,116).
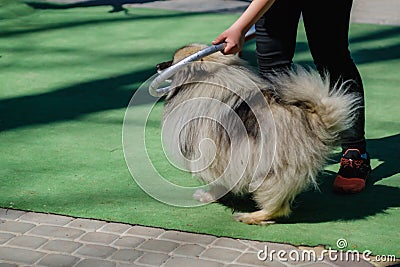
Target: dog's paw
(203,196)
(254,218)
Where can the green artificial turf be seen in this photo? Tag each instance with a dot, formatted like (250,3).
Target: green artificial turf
(67,77)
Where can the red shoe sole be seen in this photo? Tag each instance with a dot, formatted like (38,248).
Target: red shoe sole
(348,185)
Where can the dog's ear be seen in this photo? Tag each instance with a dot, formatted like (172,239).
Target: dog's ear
(163,65)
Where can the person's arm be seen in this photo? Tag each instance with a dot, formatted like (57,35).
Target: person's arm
(234,35)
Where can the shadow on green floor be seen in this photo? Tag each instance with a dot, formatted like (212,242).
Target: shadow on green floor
(315,206)
(117,5)
(71,102)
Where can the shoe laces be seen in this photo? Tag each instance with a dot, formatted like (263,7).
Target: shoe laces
(352,163)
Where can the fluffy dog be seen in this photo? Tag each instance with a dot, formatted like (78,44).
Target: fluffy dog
(241,133)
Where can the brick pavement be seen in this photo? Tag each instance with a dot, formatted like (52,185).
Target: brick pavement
(36,239)
(363,11)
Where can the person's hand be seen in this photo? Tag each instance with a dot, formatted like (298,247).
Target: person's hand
(234,40)
(234,35)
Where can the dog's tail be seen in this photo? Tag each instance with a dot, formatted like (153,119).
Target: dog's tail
(306,89)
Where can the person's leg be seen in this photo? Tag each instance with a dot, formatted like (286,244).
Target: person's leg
(327,26)
(276,37)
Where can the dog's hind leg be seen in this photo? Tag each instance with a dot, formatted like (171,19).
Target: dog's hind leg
(263,217)
(273,198)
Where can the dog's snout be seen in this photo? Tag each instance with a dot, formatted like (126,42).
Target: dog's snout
(163,65)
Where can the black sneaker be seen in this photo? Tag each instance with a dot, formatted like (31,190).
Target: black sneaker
(353,172)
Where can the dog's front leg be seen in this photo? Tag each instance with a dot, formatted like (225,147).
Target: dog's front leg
(210,195)
(204,196)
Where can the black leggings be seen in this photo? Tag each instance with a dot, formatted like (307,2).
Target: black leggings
(327,25)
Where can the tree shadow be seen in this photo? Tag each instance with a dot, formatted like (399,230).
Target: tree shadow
(37,28)
(117,5)
(315,206)
(71,102)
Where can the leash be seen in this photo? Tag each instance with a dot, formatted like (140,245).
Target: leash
(169,72)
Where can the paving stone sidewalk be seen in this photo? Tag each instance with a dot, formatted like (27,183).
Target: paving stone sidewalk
(36,239)
(363,11)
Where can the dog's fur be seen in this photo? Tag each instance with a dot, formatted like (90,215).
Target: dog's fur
(282,147)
